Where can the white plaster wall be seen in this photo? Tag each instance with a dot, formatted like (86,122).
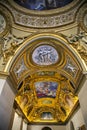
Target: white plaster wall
(2,83)
(6,104)
(16,122)
(39,127)
(24,126)
(77,120)
(83,99)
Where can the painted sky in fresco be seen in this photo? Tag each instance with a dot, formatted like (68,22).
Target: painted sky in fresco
(46,89)
(46,116)
(42,4)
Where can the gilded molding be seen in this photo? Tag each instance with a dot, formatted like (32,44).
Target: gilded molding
(3,75)
(58,108)
(79,42)
(71,68)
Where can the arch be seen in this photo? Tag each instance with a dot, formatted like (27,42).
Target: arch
(46,128)
(56,36)
(53,39)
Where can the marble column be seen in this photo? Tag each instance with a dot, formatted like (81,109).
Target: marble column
(83,98)
(6,103)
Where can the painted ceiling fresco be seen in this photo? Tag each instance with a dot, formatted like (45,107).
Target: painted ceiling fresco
(46,89)
(46,95)
(42,4)
(46,101)
(46,115)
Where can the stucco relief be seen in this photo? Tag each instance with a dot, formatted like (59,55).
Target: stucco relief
(79,42)
(20,68)
(45,55)
(8,46)
(70,67)
(2,23)
(42,21)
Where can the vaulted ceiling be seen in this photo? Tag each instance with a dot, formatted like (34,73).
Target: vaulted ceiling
(48,75)
(44,63)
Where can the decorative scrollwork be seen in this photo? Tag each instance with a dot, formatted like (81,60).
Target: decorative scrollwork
(79,42)
(8,46)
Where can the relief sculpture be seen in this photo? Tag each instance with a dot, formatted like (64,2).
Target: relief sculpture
(45,55)
(79,42)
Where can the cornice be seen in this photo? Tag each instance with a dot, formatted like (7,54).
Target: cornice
(45,19)
(3,75)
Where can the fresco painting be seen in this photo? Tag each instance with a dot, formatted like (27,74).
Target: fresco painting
(46,89)
(69,101)
(42,4)
(46,115)
(47,102)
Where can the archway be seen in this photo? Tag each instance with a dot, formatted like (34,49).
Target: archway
(46,60)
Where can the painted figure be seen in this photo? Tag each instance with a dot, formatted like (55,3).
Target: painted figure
(42,4)
(45,55)
(69,101)
(24,101)
(50,4)
(46,89)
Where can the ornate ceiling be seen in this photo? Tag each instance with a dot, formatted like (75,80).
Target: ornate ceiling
(46,74)
(42,4)
(44,66)
(47,98)
(34,19)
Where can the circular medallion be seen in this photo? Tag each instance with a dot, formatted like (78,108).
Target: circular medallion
(45,55)
(2,23)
